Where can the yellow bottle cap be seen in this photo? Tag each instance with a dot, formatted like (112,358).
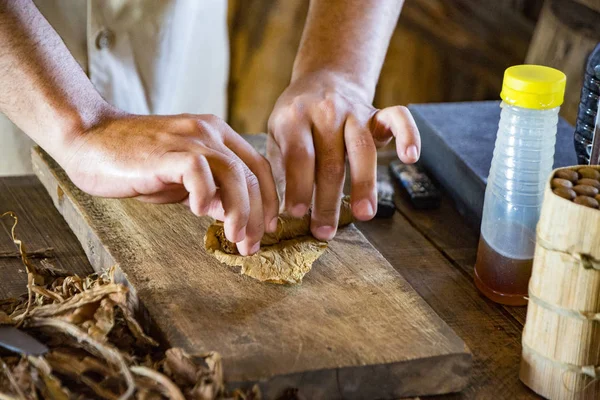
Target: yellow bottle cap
(533,86)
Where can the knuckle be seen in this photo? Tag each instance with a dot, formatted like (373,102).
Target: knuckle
(193,163)
(403,109)
(203,126)
(291,113)
(297,107)
(243,212)
(191,124)
(327,111)
(364,186)
(199,206)
(211,119)
(299,153)
(326,213)
(263,164)
(166,137)
(209,124)
(361,144)
(238,211)
(203,202)
(252,181)
(232,166)
(332,170)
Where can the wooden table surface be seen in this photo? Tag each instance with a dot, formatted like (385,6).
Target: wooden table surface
(441,239)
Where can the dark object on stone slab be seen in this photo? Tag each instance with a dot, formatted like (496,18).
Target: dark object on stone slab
(457,147)
(385,193)
(416,185)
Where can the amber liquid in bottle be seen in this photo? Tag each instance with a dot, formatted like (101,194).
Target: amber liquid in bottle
(500,278)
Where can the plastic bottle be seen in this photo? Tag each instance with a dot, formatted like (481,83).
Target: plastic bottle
(521,164)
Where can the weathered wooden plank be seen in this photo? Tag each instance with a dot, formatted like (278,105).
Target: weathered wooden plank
(492,334)
(264,36)
(460,317)
(446,230)
(353,329)
(40,226)
(440,51)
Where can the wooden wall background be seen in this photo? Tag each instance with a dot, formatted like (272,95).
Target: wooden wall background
(441,50)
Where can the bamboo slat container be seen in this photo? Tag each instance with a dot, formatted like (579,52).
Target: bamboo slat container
(561,339)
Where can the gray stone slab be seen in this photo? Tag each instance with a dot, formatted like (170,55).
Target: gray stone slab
(458,143)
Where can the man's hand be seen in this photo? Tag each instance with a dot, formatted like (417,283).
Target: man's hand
(317,120)
(326,112)
(194,159)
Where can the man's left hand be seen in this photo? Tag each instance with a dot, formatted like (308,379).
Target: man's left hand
(319,119)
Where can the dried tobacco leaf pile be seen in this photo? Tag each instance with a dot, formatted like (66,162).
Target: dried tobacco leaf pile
(97,347)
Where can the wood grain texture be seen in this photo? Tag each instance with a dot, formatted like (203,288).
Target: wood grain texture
(40,226)
(497,379)
(452,51)
(439,51)
(446,230)
(353,329)
(492,335)
(566,33)
(264,37)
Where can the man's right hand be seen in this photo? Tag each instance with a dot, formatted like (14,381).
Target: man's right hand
(197,160)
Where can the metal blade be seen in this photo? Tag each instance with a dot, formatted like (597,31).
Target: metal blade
(20,342)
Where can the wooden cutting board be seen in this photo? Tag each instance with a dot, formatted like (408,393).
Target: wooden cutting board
(354,329)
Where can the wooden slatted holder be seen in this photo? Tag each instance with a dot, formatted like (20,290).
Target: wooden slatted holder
(354,329)
(561,339)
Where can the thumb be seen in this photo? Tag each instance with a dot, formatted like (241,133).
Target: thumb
(397,122)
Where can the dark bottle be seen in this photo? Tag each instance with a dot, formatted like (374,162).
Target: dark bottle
(588,108)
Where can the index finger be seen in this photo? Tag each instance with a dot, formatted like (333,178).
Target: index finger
(261,168)
(397,121)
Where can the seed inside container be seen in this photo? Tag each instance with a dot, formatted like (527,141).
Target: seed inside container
(565,193)
(560,182)
(588,172)
(589,182)
(567,174)
(585,190)
(586,201)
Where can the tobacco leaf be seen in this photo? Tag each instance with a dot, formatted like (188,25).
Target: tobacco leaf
(93,295)
(5,319)
(46,268)
(180,367)
(170,390)
(285,256)
(104,320)
(49,385)
(98,348)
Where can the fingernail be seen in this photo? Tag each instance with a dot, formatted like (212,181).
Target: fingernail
(273,225)
(412,152)
(325,232)
(363,209)
(299,210)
